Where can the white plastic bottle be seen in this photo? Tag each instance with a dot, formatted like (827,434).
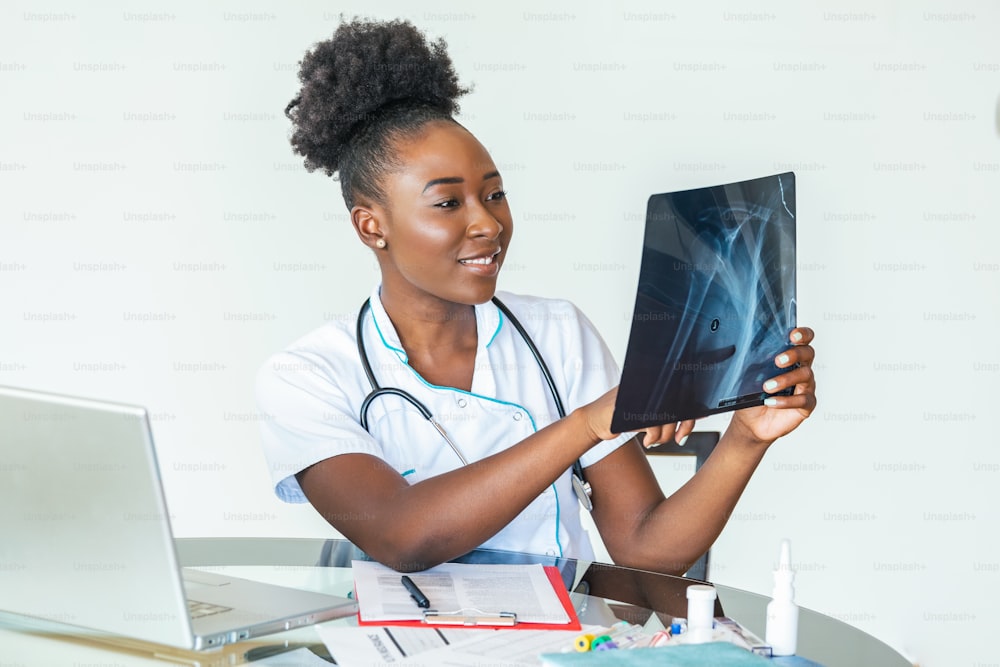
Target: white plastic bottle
(782,630)
(701,608)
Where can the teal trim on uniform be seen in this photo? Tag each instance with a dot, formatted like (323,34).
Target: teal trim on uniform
(409,472)
(558,509)
(385,343)
(499,326)
(534,427)
(403,352)
(531,418)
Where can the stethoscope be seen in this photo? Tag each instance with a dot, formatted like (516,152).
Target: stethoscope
(580,486)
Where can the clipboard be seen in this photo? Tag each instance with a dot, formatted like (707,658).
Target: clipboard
(470,617)
(503,619)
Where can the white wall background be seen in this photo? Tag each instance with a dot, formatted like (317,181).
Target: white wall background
(159,239)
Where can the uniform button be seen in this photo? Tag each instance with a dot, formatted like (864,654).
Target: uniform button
(550,552)
(517,416)
(462,402)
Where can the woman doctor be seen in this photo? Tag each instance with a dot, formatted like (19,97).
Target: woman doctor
(376,108)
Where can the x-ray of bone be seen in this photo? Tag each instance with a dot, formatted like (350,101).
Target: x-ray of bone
(715,301)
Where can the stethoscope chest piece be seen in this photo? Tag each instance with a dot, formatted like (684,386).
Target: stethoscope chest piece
(582,490)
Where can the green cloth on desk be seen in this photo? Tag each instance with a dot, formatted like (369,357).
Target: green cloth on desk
(716,654)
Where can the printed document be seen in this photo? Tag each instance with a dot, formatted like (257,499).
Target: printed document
(471,589)
(442,647)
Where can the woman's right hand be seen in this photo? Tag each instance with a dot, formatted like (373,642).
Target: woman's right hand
(596,417)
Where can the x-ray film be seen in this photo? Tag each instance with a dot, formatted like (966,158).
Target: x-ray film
(715,302)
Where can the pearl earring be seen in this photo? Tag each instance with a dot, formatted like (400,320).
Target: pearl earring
(380,243)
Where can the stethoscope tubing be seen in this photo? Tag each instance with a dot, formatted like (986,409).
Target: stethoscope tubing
(581,487)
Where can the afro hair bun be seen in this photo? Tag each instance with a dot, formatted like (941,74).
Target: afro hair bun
(363,72)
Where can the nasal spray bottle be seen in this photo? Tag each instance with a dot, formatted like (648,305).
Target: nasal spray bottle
(782,612)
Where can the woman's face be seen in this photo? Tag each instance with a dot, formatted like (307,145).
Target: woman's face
(446,221)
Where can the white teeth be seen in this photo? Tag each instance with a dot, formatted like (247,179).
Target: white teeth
(483,261)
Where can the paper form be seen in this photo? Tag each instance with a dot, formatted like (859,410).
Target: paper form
(439,647)
(489,589)
(506,648)
(381,646)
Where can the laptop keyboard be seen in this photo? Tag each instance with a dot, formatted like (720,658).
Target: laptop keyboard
(198,609)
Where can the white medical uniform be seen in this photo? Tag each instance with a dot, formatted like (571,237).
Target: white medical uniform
(310,398)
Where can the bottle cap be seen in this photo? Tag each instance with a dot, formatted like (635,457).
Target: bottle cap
(784,575)
(700,592)
(785,558)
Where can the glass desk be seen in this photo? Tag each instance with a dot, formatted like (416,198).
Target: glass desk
(602,594)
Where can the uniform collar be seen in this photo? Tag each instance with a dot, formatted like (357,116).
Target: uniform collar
(489,321)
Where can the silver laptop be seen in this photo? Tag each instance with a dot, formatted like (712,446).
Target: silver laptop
(86,536)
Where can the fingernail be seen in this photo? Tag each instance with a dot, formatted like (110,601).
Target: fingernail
(770,402)
(770,385)
(680,443)
(796,337)
(782,359)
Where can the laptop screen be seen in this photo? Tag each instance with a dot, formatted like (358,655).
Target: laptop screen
(715,301)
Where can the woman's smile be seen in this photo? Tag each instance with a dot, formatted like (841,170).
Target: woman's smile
(484,264)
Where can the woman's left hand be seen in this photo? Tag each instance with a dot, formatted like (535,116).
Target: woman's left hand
(781,415)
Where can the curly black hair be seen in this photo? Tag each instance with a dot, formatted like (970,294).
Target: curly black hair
(369,85)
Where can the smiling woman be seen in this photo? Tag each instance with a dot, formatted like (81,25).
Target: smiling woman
(512,421)
(445,225)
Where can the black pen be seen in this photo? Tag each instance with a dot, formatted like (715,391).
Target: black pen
(415,592)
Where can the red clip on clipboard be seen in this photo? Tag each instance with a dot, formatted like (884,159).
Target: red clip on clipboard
(498,622)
